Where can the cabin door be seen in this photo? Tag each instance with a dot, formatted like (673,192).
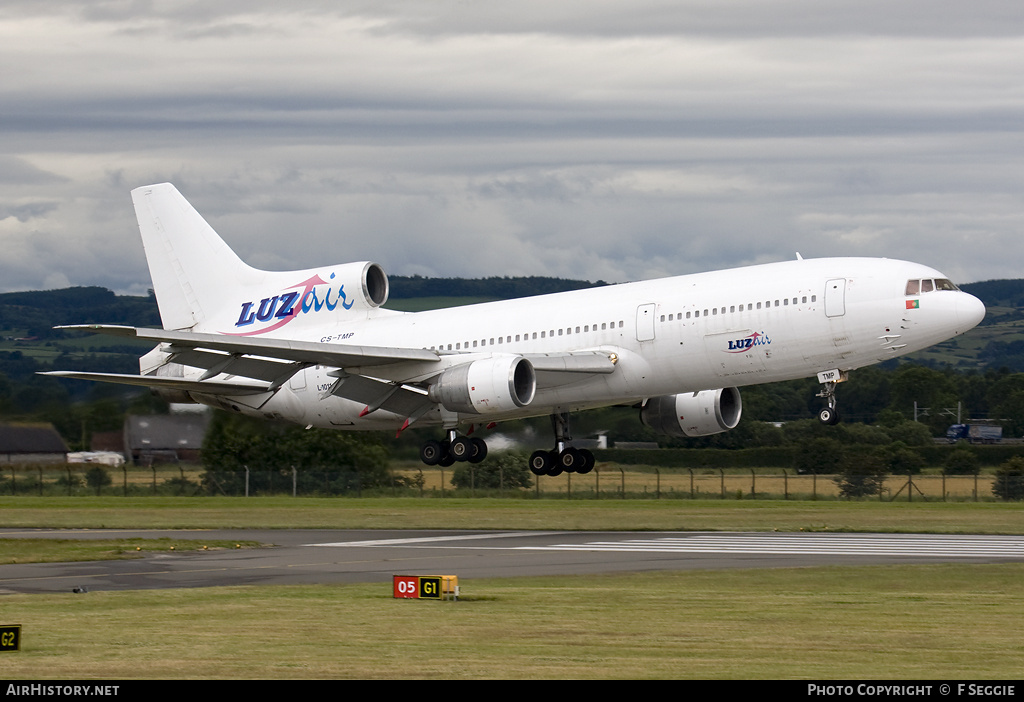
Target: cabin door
(835,297)
(645,322)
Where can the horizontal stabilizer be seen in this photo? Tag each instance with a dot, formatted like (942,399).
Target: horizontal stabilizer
(336,355)
(166,383)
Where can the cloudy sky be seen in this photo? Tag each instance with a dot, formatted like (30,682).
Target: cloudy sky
(577,138)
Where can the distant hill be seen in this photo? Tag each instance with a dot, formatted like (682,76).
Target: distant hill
(998,293)
(35,313)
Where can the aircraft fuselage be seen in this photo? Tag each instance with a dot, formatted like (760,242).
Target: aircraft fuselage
(736,327)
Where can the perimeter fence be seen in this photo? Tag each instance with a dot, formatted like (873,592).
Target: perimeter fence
(604,482)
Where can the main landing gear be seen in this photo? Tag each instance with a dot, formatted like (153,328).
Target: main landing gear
(562,459)
(453,448)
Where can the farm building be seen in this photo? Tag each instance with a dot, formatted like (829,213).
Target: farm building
(31,443)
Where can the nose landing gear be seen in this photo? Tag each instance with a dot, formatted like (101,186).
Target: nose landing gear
(830,379)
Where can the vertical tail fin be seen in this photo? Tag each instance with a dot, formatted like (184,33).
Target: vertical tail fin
(191,266)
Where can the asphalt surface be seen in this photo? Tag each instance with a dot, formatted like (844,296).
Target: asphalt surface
(348,556)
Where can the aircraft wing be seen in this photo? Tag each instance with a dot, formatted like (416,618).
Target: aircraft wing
(255,366)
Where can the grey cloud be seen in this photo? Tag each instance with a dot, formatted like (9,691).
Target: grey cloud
(27,211)
(586,139)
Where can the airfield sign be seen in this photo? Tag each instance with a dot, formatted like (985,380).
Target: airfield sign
(424,587)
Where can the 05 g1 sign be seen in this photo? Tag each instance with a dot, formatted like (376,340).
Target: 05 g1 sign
(418,587)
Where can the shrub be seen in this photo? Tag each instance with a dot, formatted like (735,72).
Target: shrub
(863,474)
(97,477)
(901,460)
(508,469)
(819,456)
(1009,482)
(962,461)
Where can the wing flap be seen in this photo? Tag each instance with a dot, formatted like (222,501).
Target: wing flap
(233,364)
(379,394)
(601,362)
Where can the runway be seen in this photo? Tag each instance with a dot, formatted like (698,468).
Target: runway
(340,556)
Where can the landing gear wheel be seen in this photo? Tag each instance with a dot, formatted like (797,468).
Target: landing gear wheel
(446,454)
(556,464)
(462,448)
(541,462)
(829,416)
(479,450)
(570,460)
(588,462)
(431,453)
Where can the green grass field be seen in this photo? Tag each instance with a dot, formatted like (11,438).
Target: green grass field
(900,622)
(510,513)
(876,622)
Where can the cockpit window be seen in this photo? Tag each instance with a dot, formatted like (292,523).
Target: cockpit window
(927,285)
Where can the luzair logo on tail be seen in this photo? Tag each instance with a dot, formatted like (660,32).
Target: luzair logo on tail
(279,310)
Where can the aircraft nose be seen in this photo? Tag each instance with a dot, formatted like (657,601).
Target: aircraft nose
(969,311)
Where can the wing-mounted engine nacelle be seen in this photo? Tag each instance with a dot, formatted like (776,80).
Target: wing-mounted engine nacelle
(693,413)
(498,384)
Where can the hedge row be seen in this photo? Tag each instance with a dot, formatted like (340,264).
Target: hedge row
(778,456)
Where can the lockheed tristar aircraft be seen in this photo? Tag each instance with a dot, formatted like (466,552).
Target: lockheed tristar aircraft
(316,346)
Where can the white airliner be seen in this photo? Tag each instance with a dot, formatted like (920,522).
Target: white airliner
(316,346)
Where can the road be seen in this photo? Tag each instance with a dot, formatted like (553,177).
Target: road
(348,556)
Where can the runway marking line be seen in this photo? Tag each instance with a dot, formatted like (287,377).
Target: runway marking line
(435,539)
(753,543)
